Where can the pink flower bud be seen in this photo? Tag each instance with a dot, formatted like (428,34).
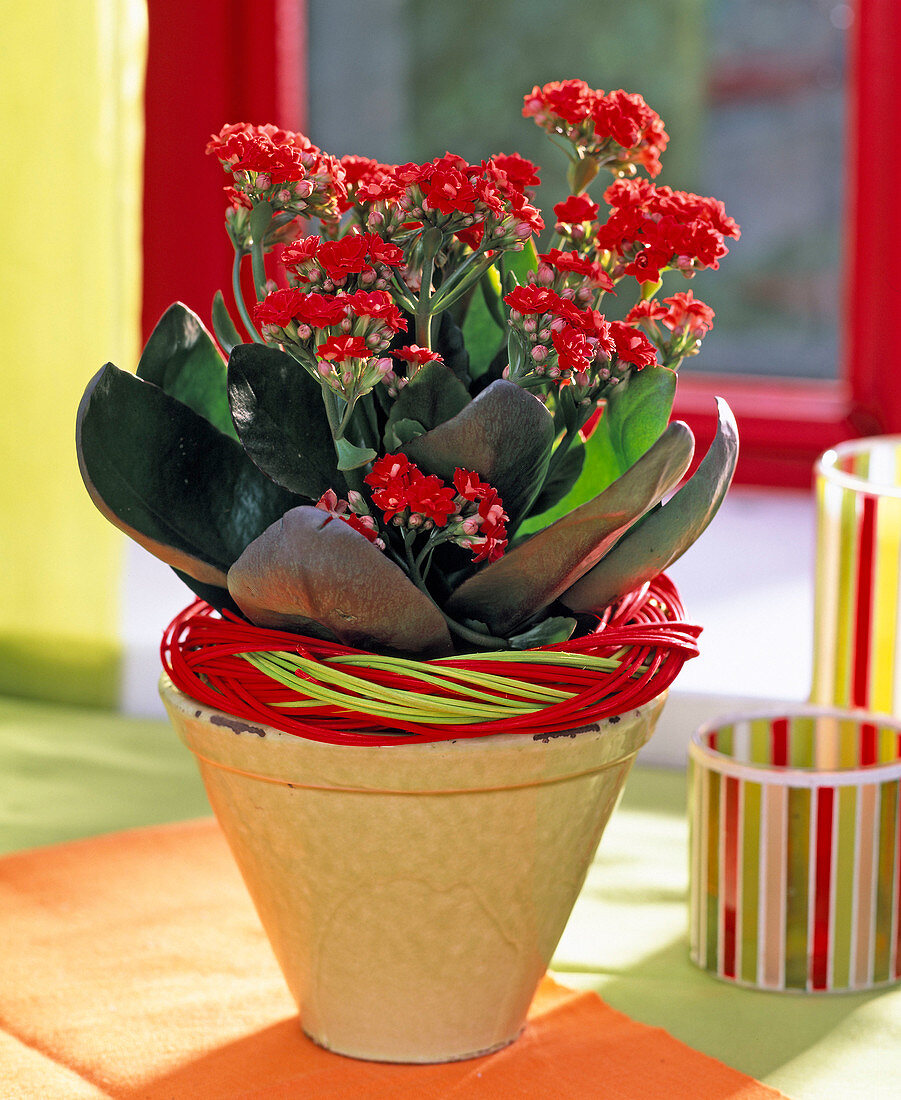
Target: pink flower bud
(545,274)
(539,353)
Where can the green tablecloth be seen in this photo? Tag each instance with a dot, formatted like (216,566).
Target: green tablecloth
(69,773)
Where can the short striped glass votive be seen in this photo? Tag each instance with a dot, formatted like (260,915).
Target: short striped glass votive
(795,846)
(857,616)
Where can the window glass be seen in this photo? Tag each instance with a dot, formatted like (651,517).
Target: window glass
(752,93)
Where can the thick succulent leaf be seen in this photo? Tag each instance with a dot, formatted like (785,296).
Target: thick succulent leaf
(485,326)
(168,478)
(181,358)
(226,331)
(505,435)
(654,544)
(278,411)
(533,574)
(635,416)
(433,395)
(312,573)
(638,411)
(561,480)
(450,346)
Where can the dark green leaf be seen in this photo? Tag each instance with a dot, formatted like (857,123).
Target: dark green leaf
(639,410)
(663,536)
(181,358)
(169,479)
(278,411)
(431,397)
(561,480)
(524,263)
(401,432)
(505,435)
(533,574)
(547,632)
(450,346)
(226,332)
(601,468)
(214,594)
(352,457)
(485,327)
(311,572)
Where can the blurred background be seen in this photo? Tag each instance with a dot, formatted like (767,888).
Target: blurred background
(777,107)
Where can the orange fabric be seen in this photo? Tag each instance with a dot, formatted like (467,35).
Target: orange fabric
(132,966)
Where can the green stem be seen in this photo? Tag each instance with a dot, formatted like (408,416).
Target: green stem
(431,242)
(460,282)
(484,641)
(259,268)
(239,300)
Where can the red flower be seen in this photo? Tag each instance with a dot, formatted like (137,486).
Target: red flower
(417,356)
(569,100)
(336,349)
(330,503)
(572,348)
(378,305)
(572,262)
(630,122)
(688,314)
(597,330)
(520,172)
(279,308)
(383,252)
(575,209)
(648,309)
(632,346)
(320,310)
(399,484)
(344,256)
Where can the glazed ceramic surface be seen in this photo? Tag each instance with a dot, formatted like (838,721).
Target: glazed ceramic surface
(413,894)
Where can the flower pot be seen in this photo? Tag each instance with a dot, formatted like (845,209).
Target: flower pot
(413,894)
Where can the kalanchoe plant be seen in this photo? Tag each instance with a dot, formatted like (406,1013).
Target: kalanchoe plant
(431,438)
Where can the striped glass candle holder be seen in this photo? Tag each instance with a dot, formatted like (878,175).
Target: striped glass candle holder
(795,830)
(857,617)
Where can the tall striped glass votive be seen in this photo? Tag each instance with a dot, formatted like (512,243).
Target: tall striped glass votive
(795,853)
(857,618)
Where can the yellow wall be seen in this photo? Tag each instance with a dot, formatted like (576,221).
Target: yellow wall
(71,116)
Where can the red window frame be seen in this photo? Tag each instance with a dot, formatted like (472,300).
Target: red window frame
(786,424)
(216,61)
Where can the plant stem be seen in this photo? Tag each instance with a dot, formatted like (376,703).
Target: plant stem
(460,282)
(431,242)
(239,299)
(259,269)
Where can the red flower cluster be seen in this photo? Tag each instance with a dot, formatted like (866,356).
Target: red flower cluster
(343,510)
(412,499)
(654,228)
(686,314)
(308,310)
(399,486)
(281,167)
(312,261)
(619,130)
(557,263)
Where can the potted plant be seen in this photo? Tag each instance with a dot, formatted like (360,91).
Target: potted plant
(426,500)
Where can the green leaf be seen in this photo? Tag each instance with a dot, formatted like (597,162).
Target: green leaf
(226,332)
(431,397)
(350,456)
(663,536)
(169,479)
(278,411)
(534,573)
(451,347)
(638,410)
(522,264)
(260,220)
(485,328)
(181,358)
(562,479)
(504,435)
(547,632)
(401,432)
(600,468)
(311,572)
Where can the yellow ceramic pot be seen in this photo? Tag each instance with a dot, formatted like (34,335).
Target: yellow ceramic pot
(413,894)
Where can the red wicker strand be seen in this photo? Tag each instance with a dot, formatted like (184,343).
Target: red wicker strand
(202,654)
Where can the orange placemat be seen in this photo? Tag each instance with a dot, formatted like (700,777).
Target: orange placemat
(133,965)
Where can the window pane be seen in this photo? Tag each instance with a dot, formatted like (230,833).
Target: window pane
(752,93)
